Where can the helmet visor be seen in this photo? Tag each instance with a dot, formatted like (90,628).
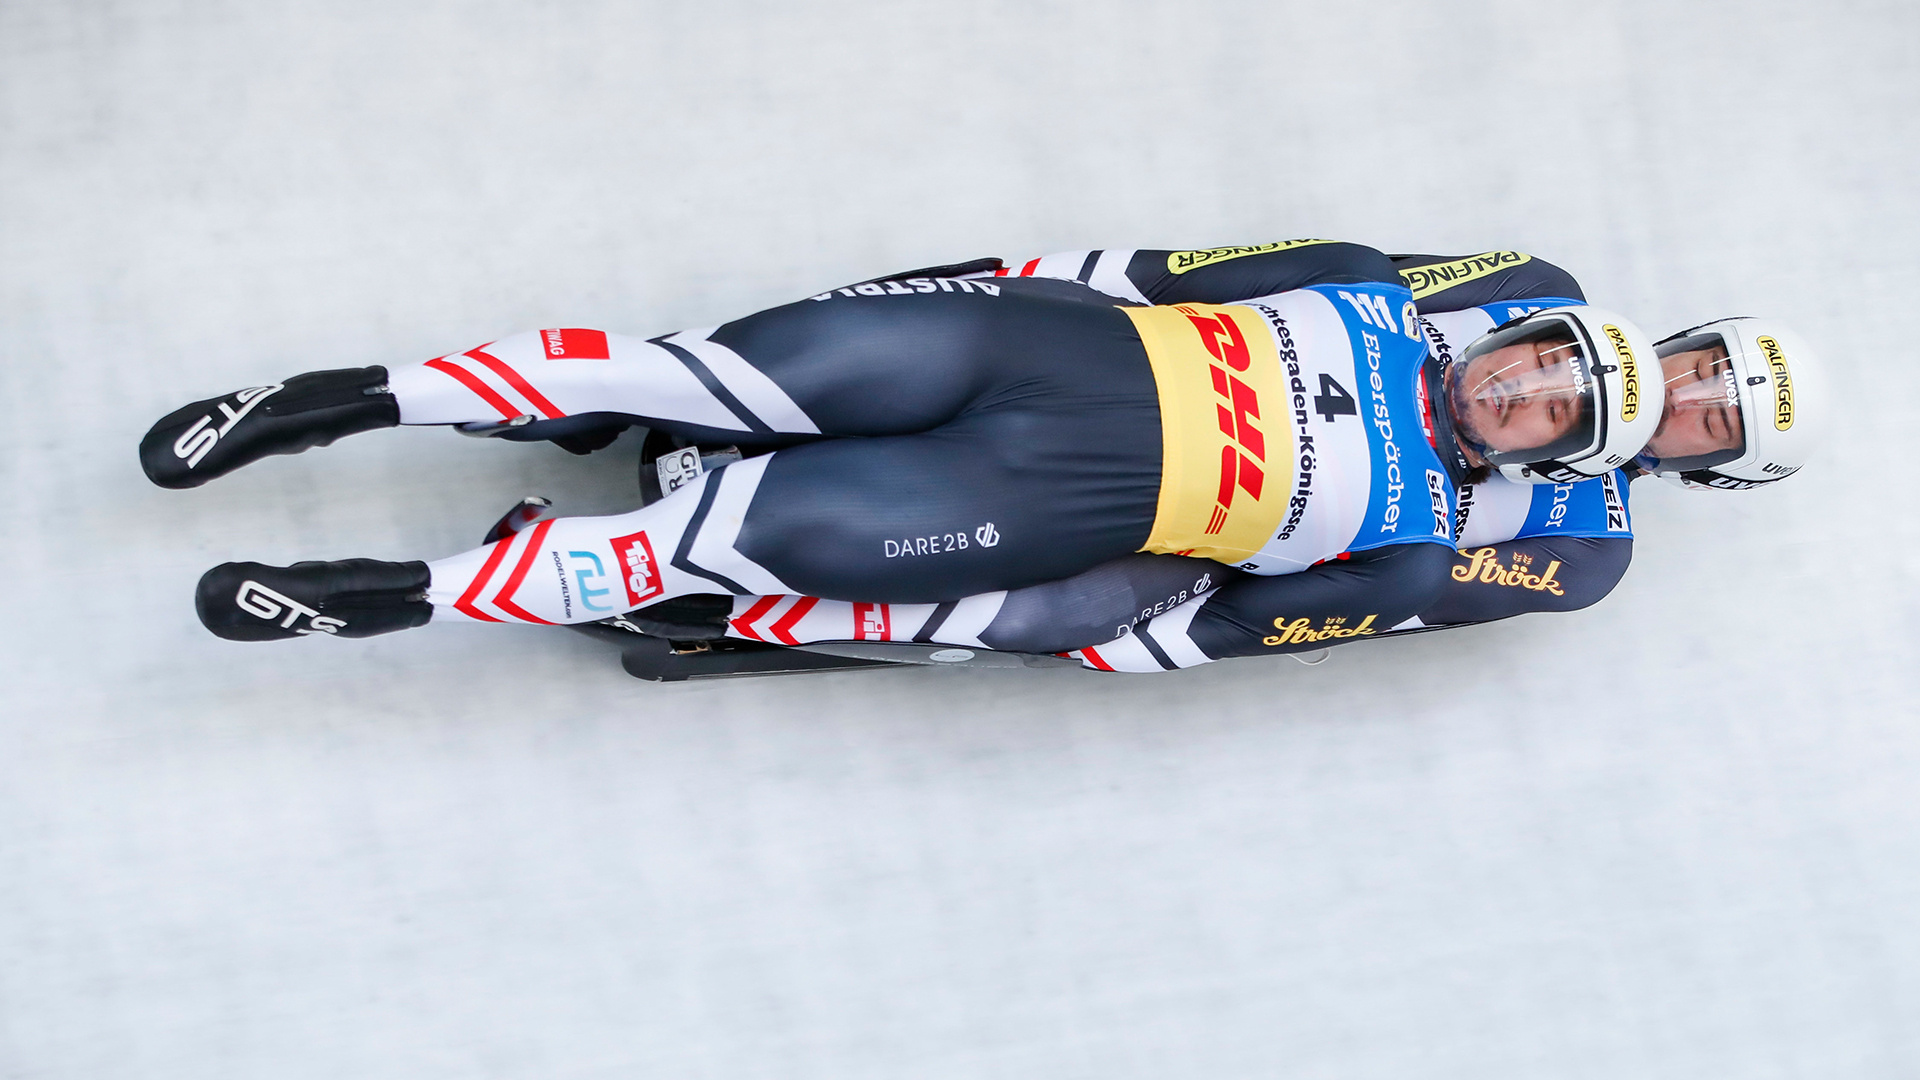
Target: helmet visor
(1701,424)
(1526,393)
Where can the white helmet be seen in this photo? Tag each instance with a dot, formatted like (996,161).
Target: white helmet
(1733,419)
(1556,396)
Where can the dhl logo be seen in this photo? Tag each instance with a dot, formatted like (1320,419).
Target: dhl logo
(1244,456)
(1629,372)
(1782,383)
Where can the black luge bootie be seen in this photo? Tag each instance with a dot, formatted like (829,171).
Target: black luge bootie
(351,598)
(210,438)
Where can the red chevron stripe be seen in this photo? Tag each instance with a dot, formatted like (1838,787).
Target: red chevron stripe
(743,624)
(794,614)
(504,599)
(518,382)
(464,605)
(472,382)
(1096,660)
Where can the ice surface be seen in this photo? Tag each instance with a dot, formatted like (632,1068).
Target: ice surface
(1673,836)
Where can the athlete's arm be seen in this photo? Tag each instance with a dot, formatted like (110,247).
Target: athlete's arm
(1458,282)
(1499,581)
(1210,276)
(1229,274)
(1349,599)
(1224,275)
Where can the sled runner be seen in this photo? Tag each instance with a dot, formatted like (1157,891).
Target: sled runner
(655,659)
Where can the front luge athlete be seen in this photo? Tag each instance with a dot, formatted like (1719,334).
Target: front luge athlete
(945,438)
(1523,548)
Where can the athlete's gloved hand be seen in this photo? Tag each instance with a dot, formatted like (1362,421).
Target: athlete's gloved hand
(210,438)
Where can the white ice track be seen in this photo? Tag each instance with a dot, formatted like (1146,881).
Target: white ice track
(1676,836)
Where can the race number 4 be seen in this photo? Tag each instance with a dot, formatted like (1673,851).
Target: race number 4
(1333,400)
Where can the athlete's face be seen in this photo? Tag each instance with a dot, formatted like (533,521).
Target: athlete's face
(1521,396)
(1702,412)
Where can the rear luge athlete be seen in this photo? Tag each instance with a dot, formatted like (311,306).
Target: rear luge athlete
(940,438)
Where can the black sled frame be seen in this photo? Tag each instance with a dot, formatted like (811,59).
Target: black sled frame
(654,659)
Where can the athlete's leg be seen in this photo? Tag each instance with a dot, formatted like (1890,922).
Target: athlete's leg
(558,571)
(1043,461)
(926,518)
(996,500)
(893,359)
(581,569)
(876,363)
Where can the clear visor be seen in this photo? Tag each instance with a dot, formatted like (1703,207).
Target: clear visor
(1701,425)
(1525,394)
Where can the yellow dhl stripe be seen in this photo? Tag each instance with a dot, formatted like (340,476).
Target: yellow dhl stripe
(1227,465)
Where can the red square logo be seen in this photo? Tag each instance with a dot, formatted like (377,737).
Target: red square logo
(872,622)
(639,570)
(574,344)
